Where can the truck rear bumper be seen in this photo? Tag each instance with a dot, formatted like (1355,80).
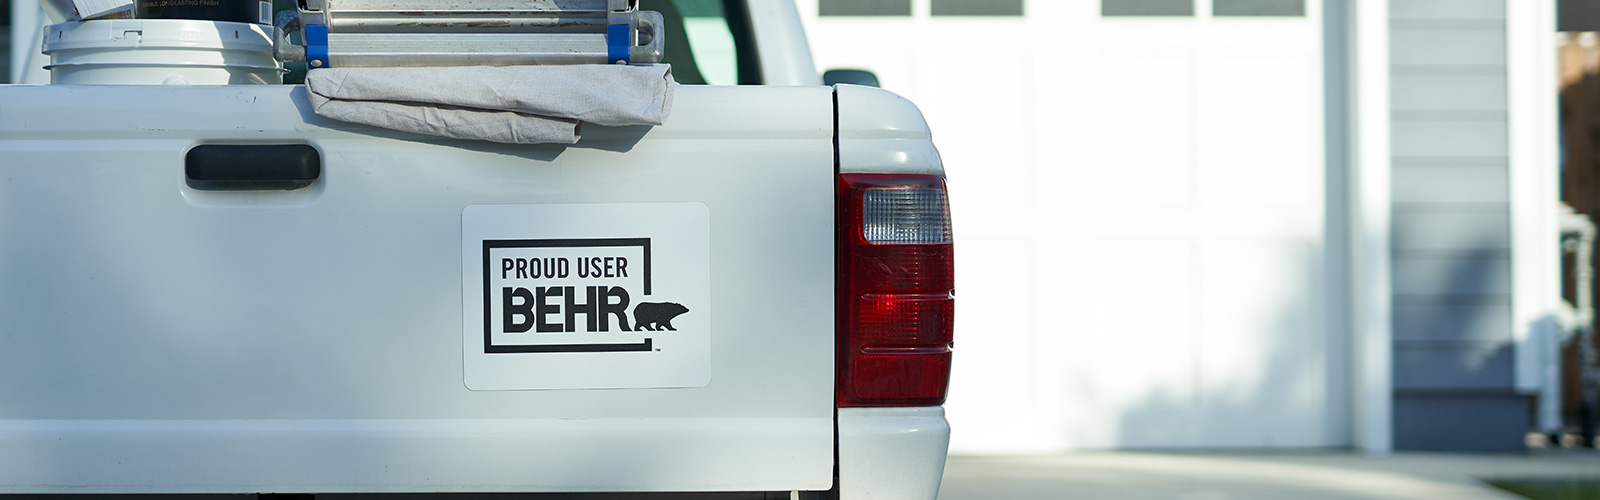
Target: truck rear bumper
(892,453)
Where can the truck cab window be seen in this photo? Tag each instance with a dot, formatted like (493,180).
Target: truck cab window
(703,43)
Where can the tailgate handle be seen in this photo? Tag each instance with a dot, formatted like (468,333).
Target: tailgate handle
(252,167)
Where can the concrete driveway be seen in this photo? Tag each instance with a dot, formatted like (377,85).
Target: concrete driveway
(1252,476)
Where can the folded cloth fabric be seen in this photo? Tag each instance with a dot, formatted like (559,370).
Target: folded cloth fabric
(511,104)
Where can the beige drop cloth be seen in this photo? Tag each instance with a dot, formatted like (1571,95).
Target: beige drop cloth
(512,104)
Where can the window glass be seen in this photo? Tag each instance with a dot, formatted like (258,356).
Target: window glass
(706,25)
(864,7)
(977,7)
(1258,8)
(1146,7)
(5,41)
(701,45)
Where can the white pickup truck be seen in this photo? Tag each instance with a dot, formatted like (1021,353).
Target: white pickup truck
(752,300)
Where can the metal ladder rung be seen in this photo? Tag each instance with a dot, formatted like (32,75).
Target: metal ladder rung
(566,6)
(490,21)
(455,49)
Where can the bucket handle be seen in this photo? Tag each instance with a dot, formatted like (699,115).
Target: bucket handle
(288,21)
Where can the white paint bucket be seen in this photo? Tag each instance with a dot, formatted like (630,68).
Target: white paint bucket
(161,52)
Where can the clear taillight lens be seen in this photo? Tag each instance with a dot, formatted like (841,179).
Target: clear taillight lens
(905,215)
(896,290)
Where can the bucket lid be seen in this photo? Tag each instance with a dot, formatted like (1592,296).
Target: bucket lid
(157,33)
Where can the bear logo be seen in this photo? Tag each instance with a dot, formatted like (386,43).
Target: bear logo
(656,315)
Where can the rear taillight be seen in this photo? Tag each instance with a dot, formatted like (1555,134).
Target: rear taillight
(896,290)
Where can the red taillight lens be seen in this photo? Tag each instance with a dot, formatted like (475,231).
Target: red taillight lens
(896,290)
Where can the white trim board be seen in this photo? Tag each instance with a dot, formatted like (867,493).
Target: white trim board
(1371,299)
(1532,93)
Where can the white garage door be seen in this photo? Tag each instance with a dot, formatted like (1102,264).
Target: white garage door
(1139,192)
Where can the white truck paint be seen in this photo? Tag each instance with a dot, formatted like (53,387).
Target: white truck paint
(157,338)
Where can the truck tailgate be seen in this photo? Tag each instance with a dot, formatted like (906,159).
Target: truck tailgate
(407,322)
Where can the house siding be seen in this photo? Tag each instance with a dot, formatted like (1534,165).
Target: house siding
(1451,233)
(1433,421)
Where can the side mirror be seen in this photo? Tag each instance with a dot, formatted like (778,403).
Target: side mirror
(850,76)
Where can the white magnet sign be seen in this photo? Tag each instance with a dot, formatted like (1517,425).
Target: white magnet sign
(586,296)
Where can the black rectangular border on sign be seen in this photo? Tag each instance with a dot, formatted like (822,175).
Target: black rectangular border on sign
(489,346)
(514,349)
